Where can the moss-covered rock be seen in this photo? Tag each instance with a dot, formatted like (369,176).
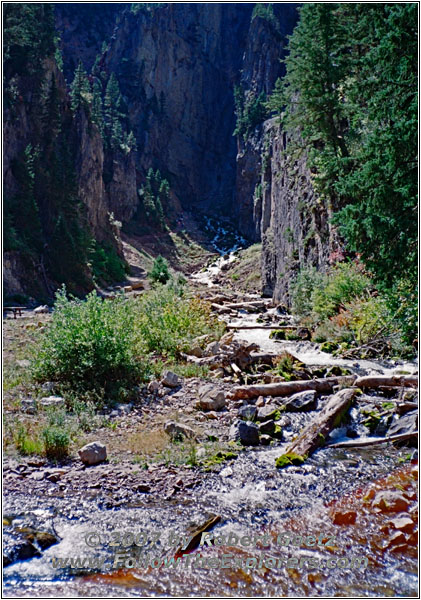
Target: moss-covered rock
(286,460)
(329,347)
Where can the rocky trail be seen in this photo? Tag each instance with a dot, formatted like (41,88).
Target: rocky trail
(249,453)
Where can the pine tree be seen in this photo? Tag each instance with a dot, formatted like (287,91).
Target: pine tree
(97,109)
(79,89)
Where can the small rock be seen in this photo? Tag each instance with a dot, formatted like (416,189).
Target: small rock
(347,517)
(210,398)
(153,387)
(196,351)
(211,415)
(267,412)
(247,412)
(260,402)
(265,440)
(48,386)
(124,408)
(178,430)
(212,349)
(30,326)
(201,452)
(93,453)
(247,433)
(404,524)
(28,406)
(170,379)
(41,310)
(127,288)
(390,501)
(406,424)
(267,427)
(56,401)
(284,421)
(301,402)
(397,538)
(227,472)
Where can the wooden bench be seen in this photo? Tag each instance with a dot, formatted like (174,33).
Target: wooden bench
(17,310)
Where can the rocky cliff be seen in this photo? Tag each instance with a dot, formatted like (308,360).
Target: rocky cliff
(187,75)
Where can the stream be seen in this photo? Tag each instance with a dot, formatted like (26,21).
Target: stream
(252,498)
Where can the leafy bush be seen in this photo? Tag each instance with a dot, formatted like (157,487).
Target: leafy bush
(56,443)
(301,295)
(90,344)
(160,272)
(344,283)
(169,321)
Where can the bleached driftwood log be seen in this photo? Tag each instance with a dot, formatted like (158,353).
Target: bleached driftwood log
(287,388)
(375,442)
(316,432)
(375,381)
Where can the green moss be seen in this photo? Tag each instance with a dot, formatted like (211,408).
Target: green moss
(285,460)
(329,347)
(218,458)
(277,432)
(373,419)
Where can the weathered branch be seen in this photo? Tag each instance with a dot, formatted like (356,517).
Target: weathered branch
(374,442)
(288,388)
(376,381)
(316,432)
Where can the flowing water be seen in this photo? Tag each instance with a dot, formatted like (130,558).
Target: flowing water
(252,498)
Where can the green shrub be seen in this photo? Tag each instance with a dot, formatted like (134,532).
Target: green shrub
(341,285)
(160,271)
(26,442)
(301,293)
(168,321)
(56,442)
(90,344)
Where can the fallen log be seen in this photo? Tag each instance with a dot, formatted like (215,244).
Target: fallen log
(287,388)
(362,443)
(370,381)
(245,305)
(316,432)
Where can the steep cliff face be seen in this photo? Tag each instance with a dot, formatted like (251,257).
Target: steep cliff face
(261,67)
(295,224)
(176,67)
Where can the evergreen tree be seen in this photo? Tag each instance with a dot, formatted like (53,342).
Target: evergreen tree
(97,108)
(79,89)
(350,89)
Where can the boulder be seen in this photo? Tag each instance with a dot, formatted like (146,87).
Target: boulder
(247,412)
(267,412)
(210,398)
(153,387)
(212,349)
(196,351)
(301,402)
(245,432)
(39,310)
(390,501)
(267,427)
(56,401)
(408,423)
(170,379)
(93,453)
(177,431)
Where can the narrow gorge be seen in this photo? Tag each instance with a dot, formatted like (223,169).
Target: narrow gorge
(210,245)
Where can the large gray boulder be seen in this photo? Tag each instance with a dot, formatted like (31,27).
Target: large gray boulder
(210,398)
(302,402)
(247,412)
(178,430)
(170,379)
(245,432)
(406,424)
(93,453)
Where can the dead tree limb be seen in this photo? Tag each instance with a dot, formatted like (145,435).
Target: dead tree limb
(375,381)
(288,388)
(316,432)
(362,443)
